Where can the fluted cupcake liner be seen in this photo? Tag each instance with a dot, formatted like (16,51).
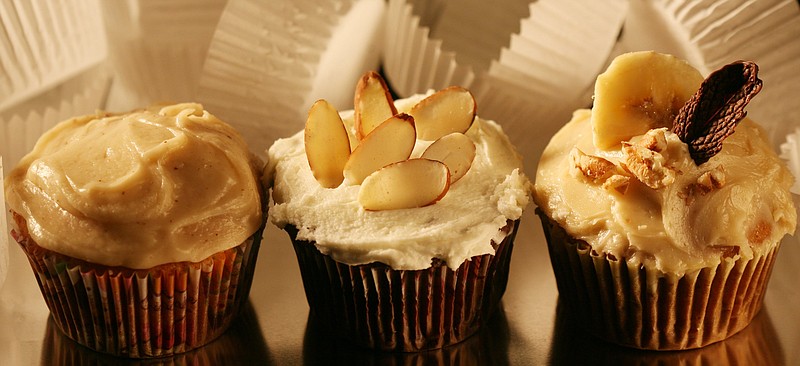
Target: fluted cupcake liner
(160,311)
(269,60)
(22,124)
(711,34)
(378,307)
(639,307)
(790,152)
(45,43)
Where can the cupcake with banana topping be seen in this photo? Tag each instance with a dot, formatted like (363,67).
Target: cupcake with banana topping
(142,228)
(402,214)
(663,205)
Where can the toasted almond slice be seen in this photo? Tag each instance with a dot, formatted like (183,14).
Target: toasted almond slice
(327,144)
(451,109)
(455,150)
(390,142)
(406,184)
(373,104)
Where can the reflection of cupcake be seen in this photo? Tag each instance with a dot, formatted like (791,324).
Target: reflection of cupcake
(662,236)
(243,343)
(142,228)
(386,272)
(758,344)
(489,346)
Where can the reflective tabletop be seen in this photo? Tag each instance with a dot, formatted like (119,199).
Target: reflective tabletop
(529,329)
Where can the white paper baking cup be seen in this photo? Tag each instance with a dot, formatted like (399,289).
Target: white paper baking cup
(3,232)
(528,64)
(269,60)
(790,152)
(711,34)
(157,48)
(43,43)
(22,124)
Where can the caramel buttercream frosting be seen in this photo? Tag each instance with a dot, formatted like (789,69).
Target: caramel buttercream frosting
(461,224)
(622,181)
(166,184)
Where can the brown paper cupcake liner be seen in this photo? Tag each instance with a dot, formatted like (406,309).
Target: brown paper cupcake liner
(375,306)
(160,311)
(633,306)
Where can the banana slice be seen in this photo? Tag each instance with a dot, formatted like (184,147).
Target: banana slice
(640,91)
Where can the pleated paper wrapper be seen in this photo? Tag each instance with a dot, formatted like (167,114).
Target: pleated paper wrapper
(45,43)
(377,307)
(157,48)
(528,64)
(270,60)
(635,306)
(160,311)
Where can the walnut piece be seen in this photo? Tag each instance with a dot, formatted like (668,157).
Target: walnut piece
(593,168)
(648,166)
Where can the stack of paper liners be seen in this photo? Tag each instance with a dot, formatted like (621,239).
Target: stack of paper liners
(269,60)
(160,311)
(531,75)
(641,307)
(712,34)
(790,151)
(22,124)
(378,307)
(157,48)
(45,43)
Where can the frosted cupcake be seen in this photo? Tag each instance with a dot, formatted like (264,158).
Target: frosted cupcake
(142,228)
(664,206)
(402,214)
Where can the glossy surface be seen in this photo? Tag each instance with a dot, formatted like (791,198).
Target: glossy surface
(530,329)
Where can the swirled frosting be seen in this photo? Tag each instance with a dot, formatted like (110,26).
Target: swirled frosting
(137,190)
(459,226)
(673,215)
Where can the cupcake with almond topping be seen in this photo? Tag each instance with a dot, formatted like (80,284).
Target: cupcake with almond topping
(142,228)
(663,206)
(402,214)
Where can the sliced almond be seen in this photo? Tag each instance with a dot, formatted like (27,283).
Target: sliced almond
(448,110)
(455,150)
(373,104)
(327,144)
(390,142)
(406,184)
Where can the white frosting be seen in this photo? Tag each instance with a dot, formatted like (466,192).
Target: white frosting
(140,189)
(456,228)
(672,216)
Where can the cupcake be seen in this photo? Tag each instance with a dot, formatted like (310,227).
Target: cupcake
(402,215)
(664,206)
(142,228)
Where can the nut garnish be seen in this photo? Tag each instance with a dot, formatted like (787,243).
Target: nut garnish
(406,184)
(594,168)
(455,150)
(647,166)
(327,144)
(711,180)
(390,142)
(372,104)
(716,108)
(448,110)
(386,139)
